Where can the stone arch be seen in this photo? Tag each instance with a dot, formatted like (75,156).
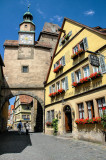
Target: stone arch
(14,93)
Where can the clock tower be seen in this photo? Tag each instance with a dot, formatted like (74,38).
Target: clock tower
(27,30)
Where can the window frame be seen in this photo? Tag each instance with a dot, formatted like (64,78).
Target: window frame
(81,111)
(22,69)
(91,109)
(78,79)
(100,108)
(88,73)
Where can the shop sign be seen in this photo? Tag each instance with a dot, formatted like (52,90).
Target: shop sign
(94,60)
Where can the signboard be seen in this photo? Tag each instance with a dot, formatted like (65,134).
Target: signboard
(94,60)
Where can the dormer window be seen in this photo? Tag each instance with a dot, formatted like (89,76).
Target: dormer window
(25,25)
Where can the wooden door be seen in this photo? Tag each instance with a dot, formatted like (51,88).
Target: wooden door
(68,122)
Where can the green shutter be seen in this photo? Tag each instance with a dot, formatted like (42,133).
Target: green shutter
(85,42)
(72,77)
(66,83)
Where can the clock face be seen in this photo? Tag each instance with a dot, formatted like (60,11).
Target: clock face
(26,39)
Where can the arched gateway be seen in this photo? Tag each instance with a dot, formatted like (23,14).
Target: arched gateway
(27,61)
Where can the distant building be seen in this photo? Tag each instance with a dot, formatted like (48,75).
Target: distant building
(75,89)
(22,110)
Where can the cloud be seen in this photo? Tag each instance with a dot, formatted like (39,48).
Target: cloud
(89,13)
(57,17)
(41,13)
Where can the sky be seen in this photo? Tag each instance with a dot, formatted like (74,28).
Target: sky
(89,12)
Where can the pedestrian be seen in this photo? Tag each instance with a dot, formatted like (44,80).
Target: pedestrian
(27,127)
(19,126)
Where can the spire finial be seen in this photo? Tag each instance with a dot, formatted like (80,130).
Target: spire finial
(28,7)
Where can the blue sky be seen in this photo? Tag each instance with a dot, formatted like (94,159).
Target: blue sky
(88,12)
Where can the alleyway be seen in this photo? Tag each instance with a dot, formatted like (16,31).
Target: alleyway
(37,146)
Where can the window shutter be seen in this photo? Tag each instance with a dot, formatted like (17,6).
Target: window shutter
(63,61)
(72,77)
(50,116)
(66,83)
(102,64)
(50,89)
(54,66)
(85,42)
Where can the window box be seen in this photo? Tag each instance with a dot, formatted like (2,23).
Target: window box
(95,75)
(51,95)
(58,68)
(76,54)
(88,121)
(48,124)
(82,81)
(61,90)
(63,40)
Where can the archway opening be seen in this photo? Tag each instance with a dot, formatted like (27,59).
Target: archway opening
(68,119)
(27,109)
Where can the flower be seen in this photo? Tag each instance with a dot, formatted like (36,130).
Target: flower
(57,68)
(103,108)
(77,53)
(95,75)
(61,90)
(88,121)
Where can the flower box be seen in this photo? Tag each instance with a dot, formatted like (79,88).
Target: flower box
(88,121)
(83,80)
(75,55)
(61,90)
(51,95)
(58,68)
(95,75)
(48,124)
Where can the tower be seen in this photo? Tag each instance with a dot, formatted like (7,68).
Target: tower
(27,30)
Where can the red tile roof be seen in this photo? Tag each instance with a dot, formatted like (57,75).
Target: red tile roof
(37,43)
(25,99)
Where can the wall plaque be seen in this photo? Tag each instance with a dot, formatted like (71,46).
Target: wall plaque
(94,60)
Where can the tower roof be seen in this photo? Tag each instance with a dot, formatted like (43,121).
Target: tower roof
(27,16)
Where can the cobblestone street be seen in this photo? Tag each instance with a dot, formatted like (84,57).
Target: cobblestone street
(37,146)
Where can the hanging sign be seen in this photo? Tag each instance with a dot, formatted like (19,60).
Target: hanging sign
(94,60)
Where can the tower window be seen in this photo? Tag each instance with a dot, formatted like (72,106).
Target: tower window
(25,69)
(25,25)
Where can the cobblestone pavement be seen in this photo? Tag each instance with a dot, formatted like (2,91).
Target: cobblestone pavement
(37,146)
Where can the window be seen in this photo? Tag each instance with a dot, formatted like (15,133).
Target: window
(48,116)
(53,88)
(60,62)
(50,89)
(81,45)
(86,71)
(102,64)
(81,110)
(25,69)
(58,85)
(95,69)
(25,25)
(75,49)
(101,103)
(78,76)
(28,116)
(63,84)
(52,115)
(90,107)
(23,116)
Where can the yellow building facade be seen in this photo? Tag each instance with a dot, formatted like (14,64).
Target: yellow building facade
(75,87)
(22,110)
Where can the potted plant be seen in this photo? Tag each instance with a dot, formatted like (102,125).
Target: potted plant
(55,126)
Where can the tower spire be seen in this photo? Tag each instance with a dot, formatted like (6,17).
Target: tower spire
(28,7)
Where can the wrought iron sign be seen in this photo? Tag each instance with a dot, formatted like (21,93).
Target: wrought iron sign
(94,60)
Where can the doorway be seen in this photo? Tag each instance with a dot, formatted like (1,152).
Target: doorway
(68,119)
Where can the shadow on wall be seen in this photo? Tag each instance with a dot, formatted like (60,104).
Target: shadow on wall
(12,142)
(39,119)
